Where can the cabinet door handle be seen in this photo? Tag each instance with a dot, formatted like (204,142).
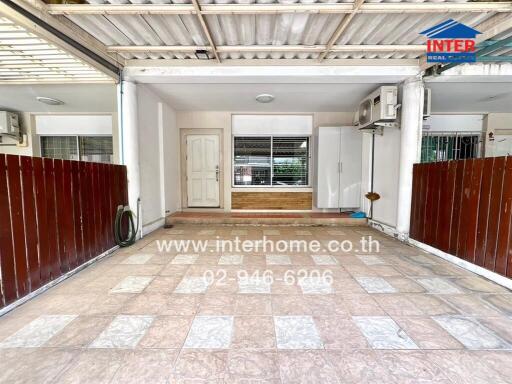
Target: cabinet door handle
(340,167)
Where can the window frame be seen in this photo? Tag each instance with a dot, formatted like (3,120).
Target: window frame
(272,186)
(77,141)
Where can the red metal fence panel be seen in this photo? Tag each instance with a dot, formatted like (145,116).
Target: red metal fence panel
(464,208)
(54,216)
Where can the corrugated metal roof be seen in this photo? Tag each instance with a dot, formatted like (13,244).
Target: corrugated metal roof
(304,29)
(25,57)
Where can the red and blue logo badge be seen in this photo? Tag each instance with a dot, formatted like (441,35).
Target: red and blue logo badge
(451,42)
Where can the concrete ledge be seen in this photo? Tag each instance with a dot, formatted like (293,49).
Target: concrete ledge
(498,279)
(264,219)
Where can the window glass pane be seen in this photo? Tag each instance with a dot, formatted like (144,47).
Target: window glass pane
(290,157)
(252,160)
(443,147)
(59,147)
(97,149)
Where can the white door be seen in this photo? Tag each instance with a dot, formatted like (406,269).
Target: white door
(328,185)
(203,171)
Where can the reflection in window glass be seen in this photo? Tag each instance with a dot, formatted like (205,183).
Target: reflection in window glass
(271,161)
(252,160)
(290,160)
(97,149)
(59,147)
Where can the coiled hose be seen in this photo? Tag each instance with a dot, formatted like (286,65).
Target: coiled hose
(118,225)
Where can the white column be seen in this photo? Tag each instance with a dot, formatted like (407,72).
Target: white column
(410,149)
(129,132)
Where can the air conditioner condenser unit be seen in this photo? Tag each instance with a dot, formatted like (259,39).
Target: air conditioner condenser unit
(378,109)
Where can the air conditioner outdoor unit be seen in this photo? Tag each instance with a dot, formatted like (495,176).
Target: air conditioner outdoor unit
(378,109)
(9,124)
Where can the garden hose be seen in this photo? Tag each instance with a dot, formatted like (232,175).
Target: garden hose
(132,231)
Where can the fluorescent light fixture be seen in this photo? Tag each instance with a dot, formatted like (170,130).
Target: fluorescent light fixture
(202,54)
(49,100)
(265,98)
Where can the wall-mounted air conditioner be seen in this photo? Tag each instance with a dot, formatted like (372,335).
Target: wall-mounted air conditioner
(9,124)
(378,109)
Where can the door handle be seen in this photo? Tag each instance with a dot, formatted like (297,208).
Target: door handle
(217,173)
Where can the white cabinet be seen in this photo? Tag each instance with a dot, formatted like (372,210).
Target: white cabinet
(339,167)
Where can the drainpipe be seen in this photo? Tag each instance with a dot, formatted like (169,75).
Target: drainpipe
(410,149)
(129,133)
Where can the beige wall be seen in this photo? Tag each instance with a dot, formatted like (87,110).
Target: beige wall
(222,120)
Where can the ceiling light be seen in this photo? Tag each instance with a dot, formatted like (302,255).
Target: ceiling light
(49,100)
(265,98)
(202,54)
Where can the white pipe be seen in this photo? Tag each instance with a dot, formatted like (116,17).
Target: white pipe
(410,141)
(130,141)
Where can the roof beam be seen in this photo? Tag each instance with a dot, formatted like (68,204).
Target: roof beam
(229,9)
(206,30)
(49,27)
(269,48)
(341,28)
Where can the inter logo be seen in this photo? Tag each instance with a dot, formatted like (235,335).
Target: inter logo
(451,42)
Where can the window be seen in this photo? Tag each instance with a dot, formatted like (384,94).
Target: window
(444,146)
(84,148)
(59,147)
(271,161)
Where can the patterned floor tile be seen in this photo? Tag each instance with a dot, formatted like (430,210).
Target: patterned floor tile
(278,260)
(371,259)
(297,332)
(123,332)
(138,258)
(315,286)
(132,284)
(183,259)
(38,332)
(231,259)
(438,285)
(254,285)
(192,285)
(383,332)
(324,260)
(471,333)
(212,332)
(375,285)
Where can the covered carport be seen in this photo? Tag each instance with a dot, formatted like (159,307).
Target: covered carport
(253,85)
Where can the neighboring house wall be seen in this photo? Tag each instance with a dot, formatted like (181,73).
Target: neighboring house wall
(38,124)
(500,126)
(30,146)
(158,156)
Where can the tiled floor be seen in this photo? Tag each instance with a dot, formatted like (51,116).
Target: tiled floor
(142,316)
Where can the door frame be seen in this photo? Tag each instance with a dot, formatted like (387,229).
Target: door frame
(184,132)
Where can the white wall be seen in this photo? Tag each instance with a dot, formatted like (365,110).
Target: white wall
(386,171)
(158,158)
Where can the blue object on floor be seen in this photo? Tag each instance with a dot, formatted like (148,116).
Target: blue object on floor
(358,215)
